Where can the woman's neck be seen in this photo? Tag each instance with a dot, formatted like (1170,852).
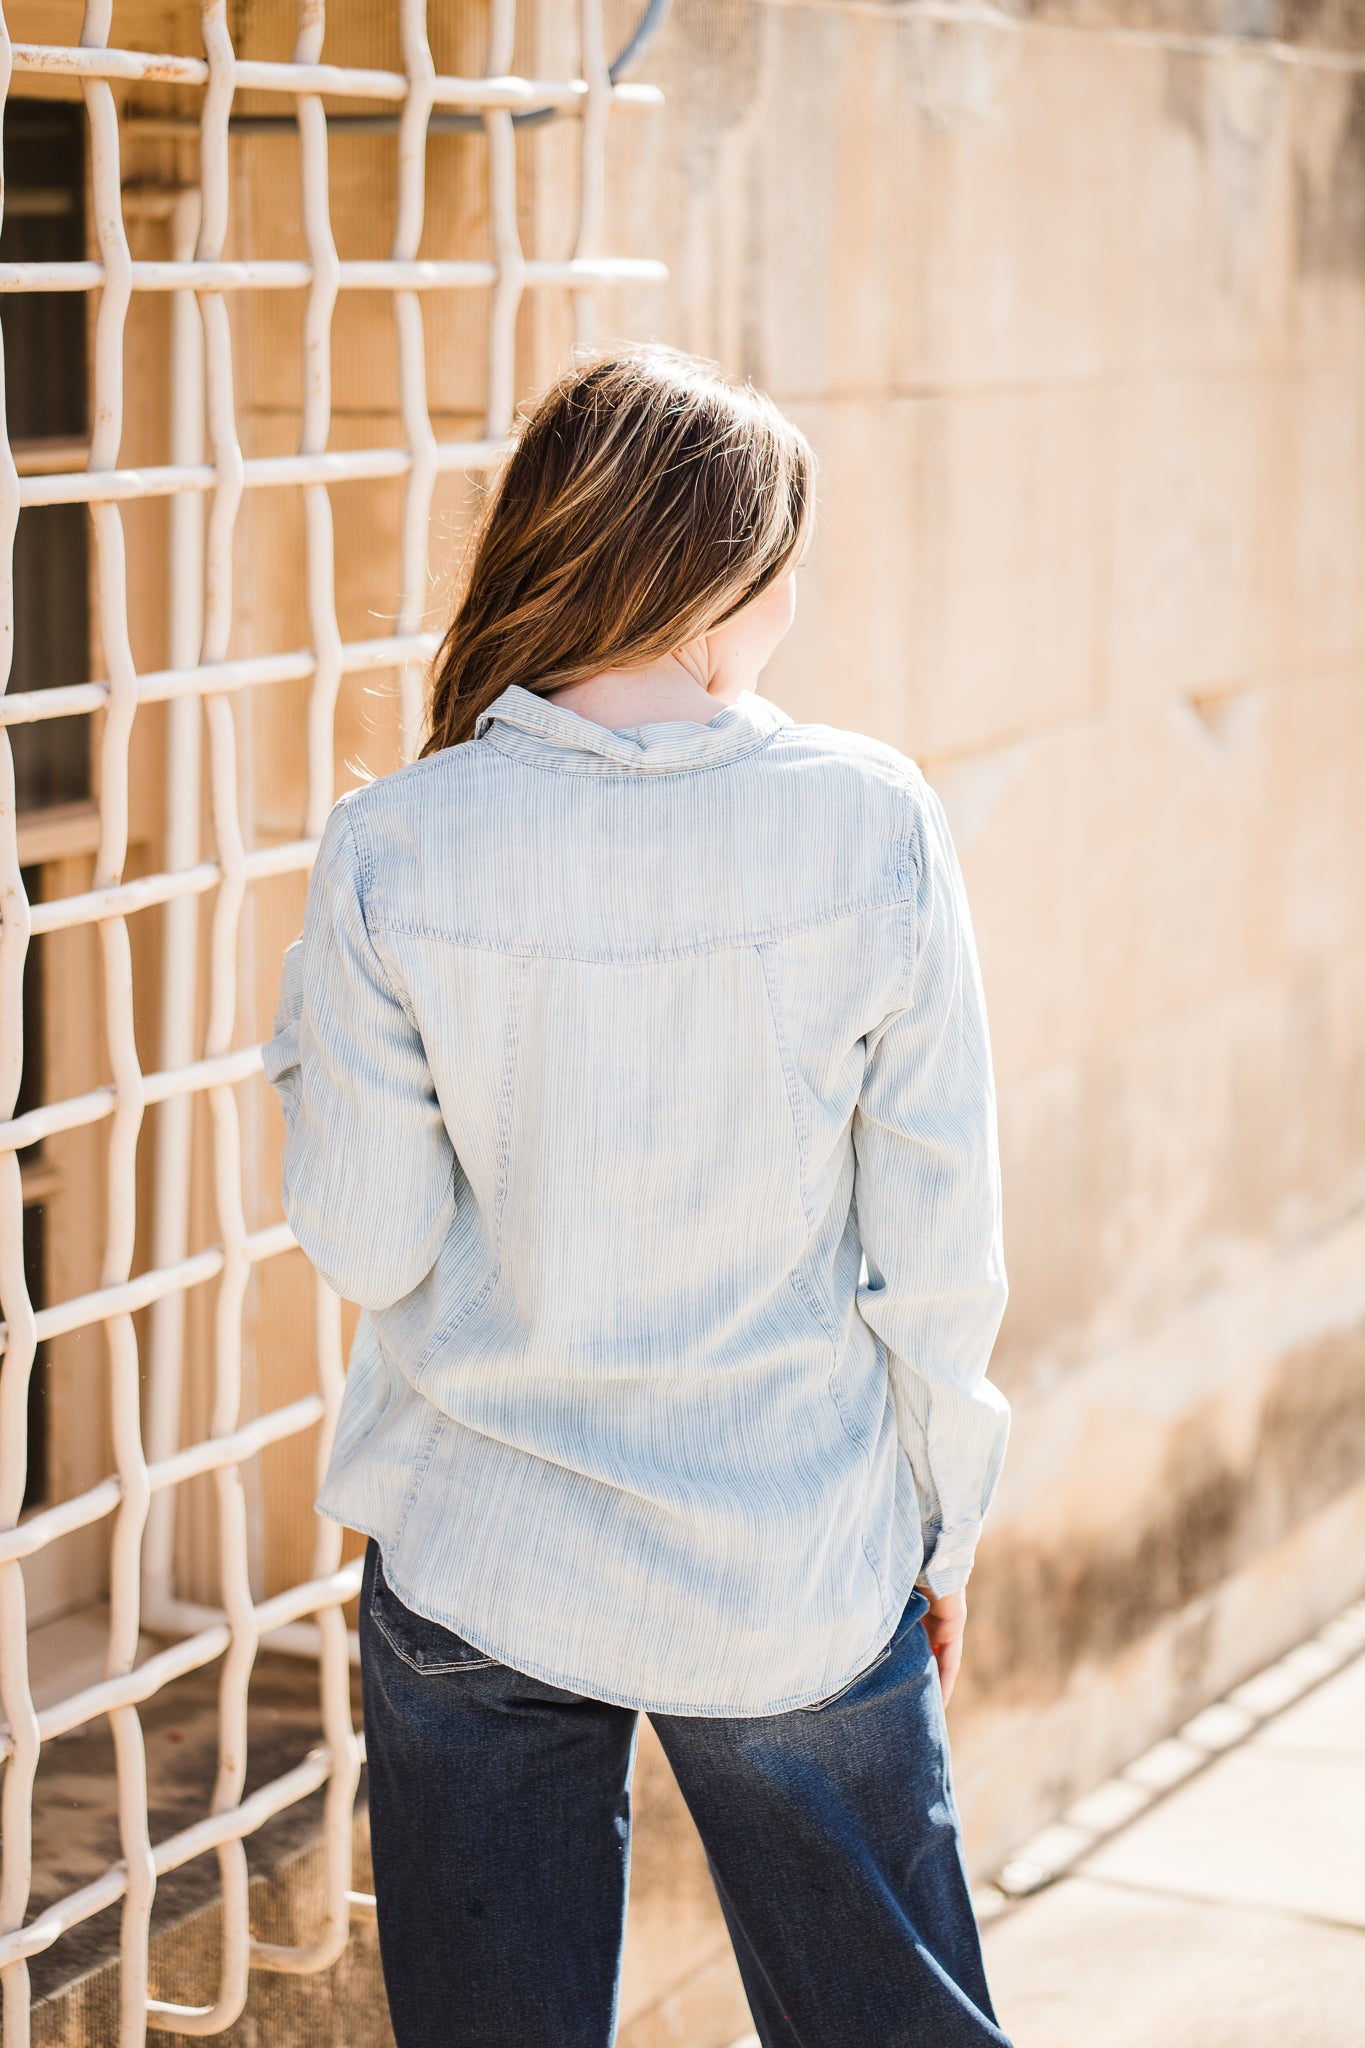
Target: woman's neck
(663,691)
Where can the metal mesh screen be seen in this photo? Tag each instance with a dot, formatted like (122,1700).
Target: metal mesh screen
(150,1456)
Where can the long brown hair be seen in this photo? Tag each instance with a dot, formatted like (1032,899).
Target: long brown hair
(645,500)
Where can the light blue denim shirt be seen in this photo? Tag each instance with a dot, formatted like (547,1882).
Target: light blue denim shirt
(637,1084)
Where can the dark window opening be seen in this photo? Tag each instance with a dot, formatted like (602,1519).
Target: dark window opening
(47,417)
(46,403)
(31,1078)
(35,1269)
(36,1487)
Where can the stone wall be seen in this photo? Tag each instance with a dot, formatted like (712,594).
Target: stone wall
(1074,316)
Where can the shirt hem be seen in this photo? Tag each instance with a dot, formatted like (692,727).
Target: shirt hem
(615,1696)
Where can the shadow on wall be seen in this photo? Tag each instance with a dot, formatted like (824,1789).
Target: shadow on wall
(1038,1613)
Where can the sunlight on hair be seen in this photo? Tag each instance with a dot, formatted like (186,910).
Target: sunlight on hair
(646,499)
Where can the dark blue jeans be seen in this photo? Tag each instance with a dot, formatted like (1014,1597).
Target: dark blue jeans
(500,1819)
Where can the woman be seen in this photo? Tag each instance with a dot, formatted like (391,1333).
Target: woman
(637,1085)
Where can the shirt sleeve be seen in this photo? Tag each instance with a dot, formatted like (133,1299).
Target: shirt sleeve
(369,1169)
(927,1187)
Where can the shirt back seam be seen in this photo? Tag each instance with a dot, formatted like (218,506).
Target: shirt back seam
(737,942)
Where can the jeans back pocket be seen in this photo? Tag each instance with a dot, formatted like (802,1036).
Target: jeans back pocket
(916,1607)
(423,1645)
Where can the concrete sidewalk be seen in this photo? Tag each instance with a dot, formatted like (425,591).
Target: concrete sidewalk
(1212,1895)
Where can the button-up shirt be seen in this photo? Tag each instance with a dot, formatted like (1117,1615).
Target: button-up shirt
(637,1085)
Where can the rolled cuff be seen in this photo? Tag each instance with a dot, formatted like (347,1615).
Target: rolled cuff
(948,1560)
(951,1579)
(281,1053)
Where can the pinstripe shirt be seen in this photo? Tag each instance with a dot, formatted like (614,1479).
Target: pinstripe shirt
(637,1085)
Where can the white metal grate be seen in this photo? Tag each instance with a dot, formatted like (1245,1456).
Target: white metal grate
(136,1497)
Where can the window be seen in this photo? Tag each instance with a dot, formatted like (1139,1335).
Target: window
(45,403)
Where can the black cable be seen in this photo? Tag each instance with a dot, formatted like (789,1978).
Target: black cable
(451,120)
(648,26)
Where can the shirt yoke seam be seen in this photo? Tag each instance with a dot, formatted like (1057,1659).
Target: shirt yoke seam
(737,942)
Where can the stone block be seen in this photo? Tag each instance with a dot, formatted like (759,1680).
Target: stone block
(1123,875)
(950,600)
(1163,1766)
(1315,822)
(1014,215)
(1020,243)
(904,205)
(926,215)
(1270,1691)
(1329,1721)
(1005,553)
(827,136)
(1327,314)
(1202,271)
(1195,583)
(1133,1177)
(1325,542)
(1116,872)
(848,659)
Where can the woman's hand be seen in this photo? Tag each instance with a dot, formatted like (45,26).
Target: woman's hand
(945,1625)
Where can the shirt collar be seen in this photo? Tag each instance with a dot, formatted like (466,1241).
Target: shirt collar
(521,723)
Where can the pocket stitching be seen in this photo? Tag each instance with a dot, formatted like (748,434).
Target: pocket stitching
(830,1699)
(479,1663)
